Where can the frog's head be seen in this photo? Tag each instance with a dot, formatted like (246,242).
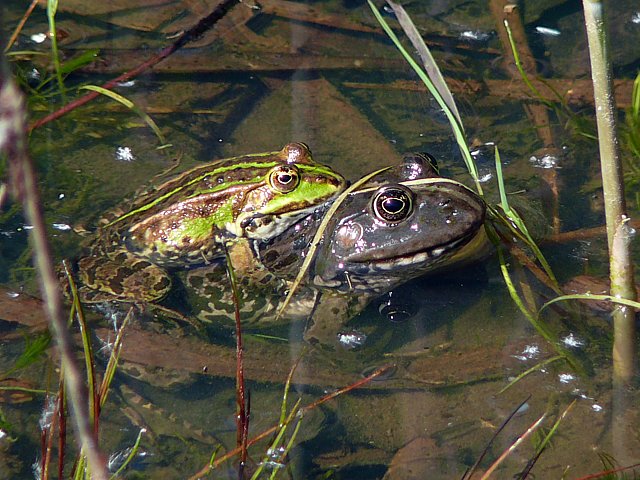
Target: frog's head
(291,189)
(405,222)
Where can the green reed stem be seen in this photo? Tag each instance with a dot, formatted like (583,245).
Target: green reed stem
(52,8)
(618,233)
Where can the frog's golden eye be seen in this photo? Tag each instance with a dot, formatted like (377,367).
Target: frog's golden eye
(284,179)
(392,203)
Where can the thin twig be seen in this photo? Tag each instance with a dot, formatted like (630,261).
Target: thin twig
(18,29)
(190,35)
(546,441)
(607,473)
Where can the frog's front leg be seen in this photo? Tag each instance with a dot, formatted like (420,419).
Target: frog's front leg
(330,314)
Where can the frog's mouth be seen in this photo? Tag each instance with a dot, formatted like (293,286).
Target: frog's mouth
(455,252)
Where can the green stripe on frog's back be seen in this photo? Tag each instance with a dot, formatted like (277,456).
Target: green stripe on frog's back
(304,186)
(159,198)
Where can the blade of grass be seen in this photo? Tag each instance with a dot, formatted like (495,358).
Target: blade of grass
(33,349)
(210,466)
(430,65)
(288,446)
(52,7)
(131,455)
(541,328)
(473,468)
(457,127)
(273,446)
(535,368)
(594,297)
(523,74)
(79,61)
(112,364)
(94,406)
(130,105)
(515,219)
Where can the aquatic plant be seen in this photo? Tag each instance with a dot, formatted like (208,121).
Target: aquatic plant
(618,233)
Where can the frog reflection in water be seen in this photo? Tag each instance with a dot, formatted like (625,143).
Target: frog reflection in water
(186,220)
(404,223)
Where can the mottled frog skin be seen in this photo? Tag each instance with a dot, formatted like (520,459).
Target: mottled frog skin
(187,220)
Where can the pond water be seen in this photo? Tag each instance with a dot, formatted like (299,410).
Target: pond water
(325,74)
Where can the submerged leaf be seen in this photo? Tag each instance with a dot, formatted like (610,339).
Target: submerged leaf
(130,105)
(34,348)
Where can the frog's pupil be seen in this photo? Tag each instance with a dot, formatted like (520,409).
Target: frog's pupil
(393,205)
(285,178)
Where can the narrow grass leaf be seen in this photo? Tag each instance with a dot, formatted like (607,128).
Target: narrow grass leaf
(130,105)
(52,8)
(430,65)
(469,473)
(457,127)
(523,74)
(517,221)
(589,296)
(34,348)
(79,61)
(273,446)
(131,456)
(545,441)
(512,448)
(535,368)
(288,446)
(15,388)
(112,364)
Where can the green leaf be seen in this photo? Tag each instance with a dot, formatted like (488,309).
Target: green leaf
(79,61)
(34,348)
(130,105)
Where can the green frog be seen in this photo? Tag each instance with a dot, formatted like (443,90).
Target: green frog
(187,220)
(403,223)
